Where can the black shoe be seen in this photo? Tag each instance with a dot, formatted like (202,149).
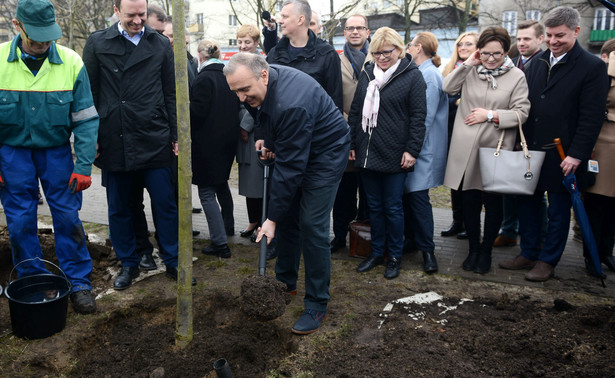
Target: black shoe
(147,262)
(430,265)
(218,250)
(253,237)
(469,263)
(369,263)
(195,232)
(124,279)
(337,243)
(230,232)
(247,233)
(172,273)
(483,263)
(455,228)
(196,210)
(272,253)
(462,235)
(609,261)
(393,267)
(83,302)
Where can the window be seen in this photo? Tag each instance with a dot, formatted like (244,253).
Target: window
(232,20)
(199,18)
(604,20)
(532,15)
(509,22)
(232,42)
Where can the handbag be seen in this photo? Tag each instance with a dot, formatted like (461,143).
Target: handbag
(510,172)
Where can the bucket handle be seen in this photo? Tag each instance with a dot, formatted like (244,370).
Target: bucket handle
(41,260)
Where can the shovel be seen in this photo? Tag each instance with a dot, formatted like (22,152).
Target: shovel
(262,258)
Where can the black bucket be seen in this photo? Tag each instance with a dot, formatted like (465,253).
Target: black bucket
(38,304)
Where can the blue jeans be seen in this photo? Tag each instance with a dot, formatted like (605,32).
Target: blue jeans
(510,221)
(159,185)
(305,228)
(530,223)
(21,169)
(420,223)
(384,193)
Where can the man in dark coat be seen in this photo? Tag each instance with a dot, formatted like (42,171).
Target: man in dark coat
(132,77)
(301,49)
(310,140)
(567,89)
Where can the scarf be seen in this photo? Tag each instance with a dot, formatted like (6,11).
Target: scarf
(208,62)
(372,96)
(356,57)
(489,75)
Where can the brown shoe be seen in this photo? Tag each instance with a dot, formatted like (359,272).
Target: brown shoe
(518,263)
(504,241)
(541,272)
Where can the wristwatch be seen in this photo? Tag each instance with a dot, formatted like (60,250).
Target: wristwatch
(490,116)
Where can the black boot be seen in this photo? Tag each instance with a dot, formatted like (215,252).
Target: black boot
(124,279)
(483,263)
(455,228)
(430,265)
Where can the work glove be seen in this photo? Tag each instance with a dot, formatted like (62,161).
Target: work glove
(79,182)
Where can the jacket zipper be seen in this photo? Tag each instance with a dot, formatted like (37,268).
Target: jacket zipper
(367,150)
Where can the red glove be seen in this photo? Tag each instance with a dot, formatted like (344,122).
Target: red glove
(79,182)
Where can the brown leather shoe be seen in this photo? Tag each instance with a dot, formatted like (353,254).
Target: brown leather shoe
(504,241)
(541,272)
(518,263)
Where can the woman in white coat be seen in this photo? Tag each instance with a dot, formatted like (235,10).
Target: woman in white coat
(429,169)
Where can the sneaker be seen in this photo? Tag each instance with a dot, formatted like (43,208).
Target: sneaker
(309,322)
(83,302)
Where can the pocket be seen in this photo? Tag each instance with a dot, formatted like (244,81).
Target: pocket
(58,104)
(9,102)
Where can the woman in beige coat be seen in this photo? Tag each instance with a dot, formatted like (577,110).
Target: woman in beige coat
(493,93)
(600,198)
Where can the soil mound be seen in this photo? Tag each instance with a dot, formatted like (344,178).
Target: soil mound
(263,297)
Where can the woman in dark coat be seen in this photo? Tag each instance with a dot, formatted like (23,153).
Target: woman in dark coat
(214,120)
(387,125)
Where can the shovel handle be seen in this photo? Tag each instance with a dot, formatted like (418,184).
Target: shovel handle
(560,149)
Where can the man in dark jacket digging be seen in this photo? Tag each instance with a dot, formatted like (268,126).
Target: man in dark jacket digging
(309,138)
(132,77)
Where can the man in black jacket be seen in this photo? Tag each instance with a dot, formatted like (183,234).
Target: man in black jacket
(301,49)
(567,88)
(132,78)
(310,139)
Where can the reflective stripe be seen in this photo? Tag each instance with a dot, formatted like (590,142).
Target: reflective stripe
(84,114)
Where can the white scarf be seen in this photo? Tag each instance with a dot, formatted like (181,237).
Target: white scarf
(372,96)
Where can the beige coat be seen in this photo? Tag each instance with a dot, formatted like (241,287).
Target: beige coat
(604,150)
(510,95)
(349,82)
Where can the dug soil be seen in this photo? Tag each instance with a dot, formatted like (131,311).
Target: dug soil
(415,325)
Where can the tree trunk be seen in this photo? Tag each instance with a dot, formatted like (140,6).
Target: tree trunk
(183,326)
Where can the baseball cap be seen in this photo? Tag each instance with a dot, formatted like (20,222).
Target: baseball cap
(39,20)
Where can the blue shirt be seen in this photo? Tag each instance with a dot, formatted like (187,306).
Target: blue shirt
(135,38)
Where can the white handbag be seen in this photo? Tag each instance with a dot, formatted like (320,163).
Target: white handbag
(510,172)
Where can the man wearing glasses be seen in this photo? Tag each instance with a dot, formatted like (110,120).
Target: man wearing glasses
(44,98)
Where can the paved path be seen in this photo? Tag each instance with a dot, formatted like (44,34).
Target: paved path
(570,272)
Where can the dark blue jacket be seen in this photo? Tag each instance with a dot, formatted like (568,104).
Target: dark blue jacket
(307,132)
(568,102)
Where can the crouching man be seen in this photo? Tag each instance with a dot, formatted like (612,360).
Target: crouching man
(308,137)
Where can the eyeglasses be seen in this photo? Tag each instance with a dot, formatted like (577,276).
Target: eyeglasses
(386,53)
(412,44)
(353,28)
(486,55)
(467,44)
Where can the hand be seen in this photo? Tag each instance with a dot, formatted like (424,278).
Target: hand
(268,230)
(407,160)
(270,25)
(243,135)
(78,182)
(478,115)
(473,59)
(352,156)
(569,164)
(175,148)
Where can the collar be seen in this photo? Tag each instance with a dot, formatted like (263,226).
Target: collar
(553,60)
(15,53)
(135,38)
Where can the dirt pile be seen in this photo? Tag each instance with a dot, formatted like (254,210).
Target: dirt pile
(263,297)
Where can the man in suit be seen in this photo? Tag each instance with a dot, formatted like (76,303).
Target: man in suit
(567,90)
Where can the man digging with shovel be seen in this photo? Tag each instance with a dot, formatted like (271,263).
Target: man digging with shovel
(309,138)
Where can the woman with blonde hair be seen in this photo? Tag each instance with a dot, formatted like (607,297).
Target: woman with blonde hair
(387,127)
(247,38)
(465,45)
(429,170)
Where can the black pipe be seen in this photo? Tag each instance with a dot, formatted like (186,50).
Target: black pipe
(223,370)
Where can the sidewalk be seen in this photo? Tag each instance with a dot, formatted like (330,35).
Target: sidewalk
(570,272)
